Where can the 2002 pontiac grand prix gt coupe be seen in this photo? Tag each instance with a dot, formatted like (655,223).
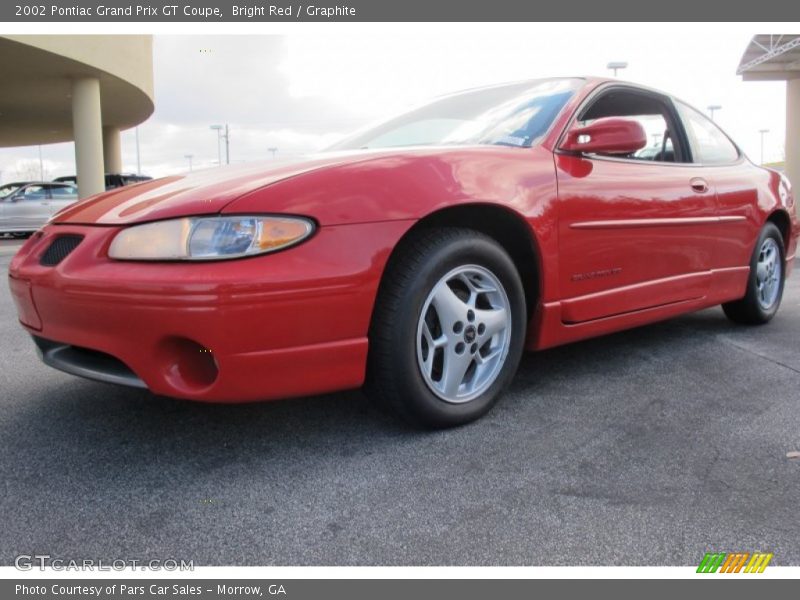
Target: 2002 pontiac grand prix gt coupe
(419,256)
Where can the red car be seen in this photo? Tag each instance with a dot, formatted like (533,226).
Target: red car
(419,257)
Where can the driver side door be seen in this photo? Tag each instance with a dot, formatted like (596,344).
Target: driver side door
(635,231)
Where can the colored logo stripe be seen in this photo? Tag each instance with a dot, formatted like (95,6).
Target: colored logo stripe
(758,563)
(711,562)
(734,562)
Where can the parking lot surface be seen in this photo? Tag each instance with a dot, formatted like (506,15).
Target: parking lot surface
(648,447)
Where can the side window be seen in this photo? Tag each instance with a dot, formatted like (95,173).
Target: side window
(63,192)
(7,191)
(709,145)
(652,113)
(34,193)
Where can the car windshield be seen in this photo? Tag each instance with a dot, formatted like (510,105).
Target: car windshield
(517,114)
(7,189)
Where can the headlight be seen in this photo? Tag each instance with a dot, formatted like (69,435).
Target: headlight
(209,238)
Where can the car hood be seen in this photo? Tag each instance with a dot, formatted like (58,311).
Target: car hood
(198,193)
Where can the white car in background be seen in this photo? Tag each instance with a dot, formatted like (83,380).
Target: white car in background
(25,207)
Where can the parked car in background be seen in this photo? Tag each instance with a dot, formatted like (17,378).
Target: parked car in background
(9,188)
(30,205)
(113,180)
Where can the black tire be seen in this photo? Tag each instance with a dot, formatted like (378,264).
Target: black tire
(394,376)
(749,310)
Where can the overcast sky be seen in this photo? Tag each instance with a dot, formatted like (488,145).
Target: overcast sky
(298,93)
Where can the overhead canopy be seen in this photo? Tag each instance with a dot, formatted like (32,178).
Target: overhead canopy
(37,73)
(771,57)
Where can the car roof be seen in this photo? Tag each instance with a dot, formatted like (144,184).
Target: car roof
(64,177)
(53,183)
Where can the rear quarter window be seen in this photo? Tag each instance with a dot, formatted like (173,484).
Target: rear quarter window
(710,146)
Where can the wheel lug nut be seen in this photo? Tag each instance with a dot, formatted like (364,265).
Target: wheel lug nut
(481,329)
(470,316)
(459,348)
(458,327)
(474,348)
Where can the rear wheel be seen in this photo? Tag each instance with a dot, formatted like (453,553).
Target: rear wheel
(765,284)
(448,329)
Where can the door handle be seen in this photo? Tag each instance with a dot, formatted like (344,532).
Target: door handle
(699,185)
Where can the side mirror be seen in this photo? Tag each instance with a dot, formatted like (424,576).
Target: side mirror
(609,135)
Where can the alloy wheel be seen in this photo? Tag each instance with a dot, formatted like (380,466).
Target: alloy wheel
(463,334)
(768,273)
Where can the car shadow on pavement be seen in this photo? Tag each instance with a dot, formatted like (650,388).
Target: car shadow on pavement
(118,425)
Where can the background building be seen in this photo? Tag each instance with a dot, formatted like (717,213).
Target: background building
(85,88)
(773,57)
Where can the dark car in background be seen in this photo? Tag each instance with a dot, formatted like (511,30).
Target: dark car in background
(113,180)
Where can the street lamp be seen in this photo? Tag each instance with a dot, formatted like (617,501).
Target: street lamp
(218,129)
(190,157)
(227,137)
(273,150)
(712,108)
(617,66)
(762,132)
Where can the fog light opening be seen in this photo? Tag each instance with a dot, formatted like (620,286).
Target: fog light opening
(188,365)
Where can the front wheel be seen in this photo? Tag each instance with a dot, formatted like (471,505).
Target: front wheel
(449,328)
(765,284)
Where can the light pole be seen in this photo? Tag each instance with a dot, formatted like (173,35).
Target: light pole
(617,66)
(762,132)
(227,137)
(273,150)
(218,129)
(41,164)
(190,157)
(713,108)
(227,145)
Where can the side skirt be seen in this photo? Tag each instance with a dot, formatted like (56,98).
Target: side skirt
(563,321)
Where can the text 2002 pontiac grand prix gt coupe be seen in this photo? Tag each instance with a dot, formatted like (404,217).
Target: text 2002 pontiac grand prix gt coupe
(419,256)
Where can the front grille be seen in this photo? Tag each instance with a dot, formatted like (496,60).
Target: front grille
(59,249)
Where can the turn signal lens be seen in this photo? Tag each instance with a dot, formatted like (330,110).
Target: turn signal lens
(277,233)
(209,238)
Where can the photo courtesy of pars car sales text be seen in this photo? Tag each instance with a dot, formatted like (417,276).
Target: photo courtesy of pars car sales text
(127,590)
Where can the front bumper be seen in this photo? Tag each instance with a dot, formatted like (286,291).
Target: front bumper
(286,324)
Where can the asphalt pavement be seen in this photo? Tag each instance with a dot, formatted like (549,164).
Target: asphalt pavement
(647,447)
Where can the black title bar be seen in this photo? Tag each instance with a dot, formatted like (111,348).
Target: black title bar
(336,589)
(398,11)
